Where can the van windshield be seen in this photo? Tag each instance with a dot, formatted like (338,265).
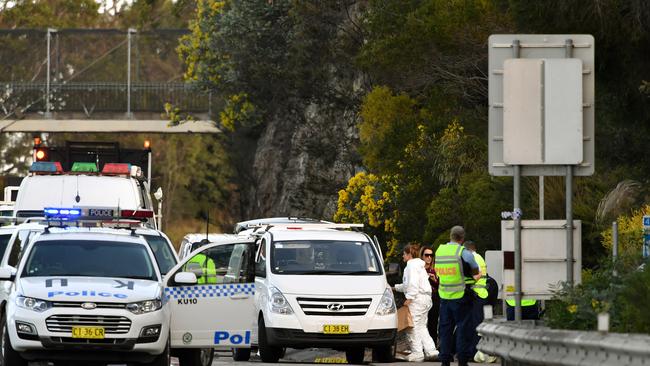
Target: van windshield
(324,257)
(89,258)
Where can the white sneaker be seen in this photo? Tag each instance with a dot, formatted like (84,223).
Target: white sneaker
(491,359)
(433,356)
(480,357)
(413,357)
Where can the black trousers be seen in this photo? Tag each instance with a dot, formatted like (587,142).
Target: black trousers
(434,316)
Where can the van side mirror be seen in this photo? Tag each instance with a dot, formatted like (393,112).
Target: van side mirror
(7,274)
(185,278)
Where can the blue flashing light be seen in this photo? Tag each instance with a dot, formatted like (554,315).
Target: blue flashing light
(62,213)
(45,167)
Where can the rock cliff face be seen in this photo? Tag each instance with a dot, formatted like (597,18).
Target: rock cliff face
(301,162)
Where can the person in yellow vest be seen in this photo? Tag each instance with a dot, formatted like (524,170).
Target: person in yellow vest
(480,293)
(529,309)
(454,265)
(204,268)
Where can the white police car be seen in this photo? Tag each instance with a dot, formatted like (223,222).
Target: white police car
(86,294)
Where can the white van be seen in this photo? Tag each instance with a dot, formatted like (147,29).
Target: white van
(314,286)
(47,186)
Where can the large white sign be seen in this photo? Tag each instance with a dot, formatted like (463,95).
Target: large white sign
(541,97)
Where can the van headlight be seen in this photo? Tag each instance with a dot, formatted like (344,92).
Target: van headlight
(31,303)
(278,302)
(143,307)
(387,303)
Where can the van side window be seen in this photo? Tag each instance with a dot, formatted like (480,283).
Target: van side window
(260,262)
(220,265)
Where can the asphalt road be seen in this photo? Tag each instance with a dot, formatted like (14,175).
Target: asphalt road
(308,357)
(292,357)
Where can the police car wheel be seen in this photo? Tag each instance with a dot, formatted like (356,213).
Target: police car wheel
(164,359)
(241,354)
(195,357)
(355,355)
(268,353)
(9,356)
(384,354)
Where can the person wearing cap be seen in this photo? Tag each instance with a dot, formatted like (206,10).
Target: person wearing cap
(454,265)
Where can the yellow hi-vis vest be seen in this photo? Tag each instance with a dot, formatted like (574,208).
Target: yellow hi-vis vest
(480,286)
(524,302)
(449,268)
(209,274)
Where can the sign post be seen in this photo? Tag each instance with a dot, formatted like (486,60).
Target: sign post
(646,237)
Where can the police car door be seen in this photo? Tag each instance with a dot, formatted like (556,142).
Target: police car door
(211,295)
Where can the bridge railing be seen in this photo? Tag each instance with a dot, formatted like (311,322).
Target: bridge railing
(96,97)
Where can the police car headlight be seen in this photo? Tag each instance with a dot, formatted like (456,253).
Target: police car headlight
(279,303)
(387,303)
(144,307)
(31,303)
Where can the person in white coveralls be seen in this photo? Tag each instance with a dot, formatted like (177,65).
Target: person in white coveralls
(415,286)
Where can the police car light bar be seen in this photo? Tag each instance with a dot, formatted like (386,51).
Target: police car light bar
(46,167)
(95,214)
(117,168)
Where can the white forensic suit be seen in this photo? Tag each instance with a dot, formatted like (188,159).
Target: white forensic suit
(415,285)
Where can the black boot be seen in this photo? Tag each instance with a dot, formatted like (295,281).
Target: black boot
(463,363)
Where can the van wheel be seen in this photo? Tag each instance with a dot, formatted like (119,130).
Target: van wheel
(268,353)
(355,355)
(241,354)
(195,357)
(384,354)
(163,359)
(9,356)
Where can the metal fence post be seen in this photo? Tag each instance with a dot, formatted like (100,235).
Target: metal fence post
(129,114)
(48,114)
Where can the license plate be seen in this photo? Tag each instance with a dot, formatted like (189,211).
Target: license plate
(88,332)
(336,329)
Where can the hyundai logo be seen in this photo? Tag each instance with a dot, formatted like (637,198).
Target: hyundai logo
(335,307)
(89,305)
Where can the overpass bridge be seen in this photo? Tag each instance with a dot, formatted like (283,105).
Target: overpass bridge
(98,80)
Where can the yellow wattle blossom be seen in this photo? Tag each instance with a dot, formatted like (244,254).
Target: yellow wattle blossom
(572,308)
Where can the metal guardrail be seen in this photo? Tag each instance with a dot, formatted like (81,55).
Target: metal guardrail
(531,344)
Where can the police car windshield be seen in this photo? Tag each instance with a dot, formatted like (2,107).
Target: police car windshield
(89,258)
(324,257)
(162,252)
